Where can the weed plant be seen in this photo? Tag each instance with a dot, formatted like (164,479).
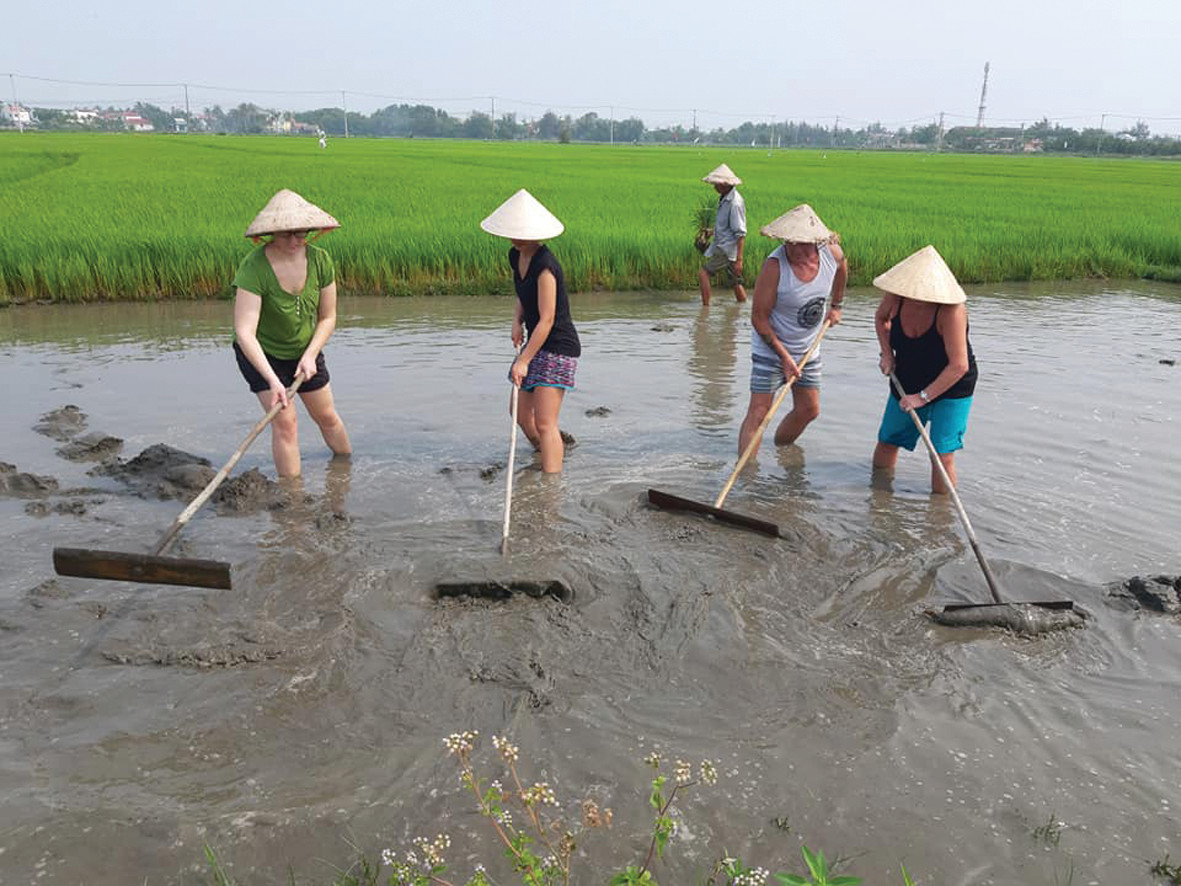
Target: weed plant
(539,844)
(123,216)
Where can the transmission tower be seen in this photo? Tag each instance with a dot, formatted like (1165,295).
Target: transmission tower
(983,92)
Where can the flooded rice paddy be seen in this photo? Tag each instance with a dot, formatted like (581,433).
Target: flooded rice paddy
(302,713)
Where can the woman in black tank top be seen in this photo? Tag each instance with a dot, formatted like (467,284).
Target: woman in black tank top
(548,356)
(922,329)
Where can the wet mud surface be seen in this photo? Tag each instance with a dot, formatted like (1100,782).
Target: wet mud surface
(302,713)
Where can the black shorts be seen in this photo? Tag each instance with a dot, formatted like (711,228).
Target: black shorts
(285,369)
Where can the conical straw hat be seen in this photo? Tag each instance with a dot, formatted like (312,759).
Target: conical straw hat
(723,175)
(287,211)
(522,217)
(800,225)
(923,276)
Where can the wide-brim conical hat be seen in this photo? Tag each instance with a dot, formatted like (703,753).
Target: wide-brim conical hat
(923,276)
(522,217)
(723,175)
(287,211)
(800,225)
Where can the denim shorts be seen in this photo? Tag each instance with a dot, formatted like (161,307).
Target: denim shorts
(948,424)
(766,375)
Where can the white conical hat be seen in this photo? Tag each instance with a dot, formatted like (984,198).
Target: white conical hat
(800,225)
(287,211)
(723,175)
(522,217)
(923,276)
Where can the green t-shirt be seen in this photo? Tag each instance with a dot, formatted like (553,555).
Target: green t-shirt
(287,321)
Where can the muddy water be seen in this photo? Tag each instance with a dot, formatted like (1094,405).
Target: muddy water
(304,711)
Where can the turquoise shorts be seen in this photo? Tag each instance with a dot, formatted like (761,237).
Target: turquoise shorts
(948,423)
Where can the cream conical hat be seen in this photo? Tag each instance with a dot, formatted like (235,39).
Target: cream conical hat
(800,225)
(287,211)
(923,276)
(723,175)
(522,217)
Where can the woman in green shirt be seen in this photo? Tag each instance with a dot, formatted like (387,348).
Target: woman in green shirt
(284,313)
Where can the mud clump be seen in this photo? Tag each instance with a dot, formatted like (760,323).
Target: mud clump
(1157,593)
(160,470)
(16,484)
(73,507)
(163,472)
(62,424)
(203,655)
(598,412)
(248,493)
(91,447)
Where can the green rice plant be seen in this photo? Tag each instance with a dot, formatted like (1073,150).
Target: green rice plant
(90,216)
(1170,873)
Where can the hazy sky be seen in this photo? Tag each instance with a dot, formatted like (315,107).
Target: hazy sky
(894,62)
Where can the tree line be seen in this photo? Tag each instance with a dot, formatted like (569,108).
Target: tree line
(425,121)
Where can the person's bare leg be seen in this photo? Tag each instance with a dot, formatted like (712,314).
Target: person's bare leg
(755,413)
(885,458)
(739,292)
(547,404)
(284,437)
(526,420)
(937,484)
(703,285)
(322,409)
(805,409)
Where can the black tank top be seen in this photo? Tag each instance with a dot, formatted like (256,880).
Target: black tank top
(563,337)
(918,361)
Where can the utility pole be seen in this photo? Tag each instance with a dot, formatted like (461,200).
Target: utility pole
(983,92)
(835,128)
(20,123)
(611,124)
(939,142)
(492,99)
(1099,140)
(345,102)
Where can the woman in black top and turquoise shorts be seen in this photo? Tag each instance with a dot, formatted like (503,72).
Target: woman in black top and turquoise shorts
(547,359)
(922,327)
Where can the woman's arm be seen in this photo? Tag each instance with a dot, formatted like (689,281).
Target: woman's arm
(952,324)
(840,278)
(882,321)
(547,308)
(518,332)
(247,308)
(325,326)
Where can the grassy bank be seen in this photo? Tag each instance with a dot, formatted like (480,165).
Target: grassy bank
(91,216)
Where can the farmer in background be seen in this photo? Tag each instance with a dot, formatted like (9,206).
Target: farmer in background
(922,327)
(284,313)
(723,256)
(546,360)
(791,295)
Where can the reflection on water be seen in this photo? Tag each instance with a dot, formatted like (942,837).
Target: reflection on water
(313,696)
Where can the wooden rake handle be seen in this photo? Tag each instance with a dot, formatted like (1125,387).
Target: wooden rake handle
(203,496)
(762,428)
(512,454)
(959,505)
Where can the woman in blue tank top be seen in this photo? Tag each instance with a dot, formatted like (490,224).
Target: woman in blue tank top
(922,328)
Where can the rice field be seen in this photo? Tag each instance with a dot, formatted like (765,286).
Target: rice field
(122,216)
